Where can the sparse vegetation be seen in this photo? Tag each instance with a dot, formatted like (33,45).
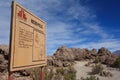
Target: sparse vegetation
(97,60)
(35,73)
(71,74)
(61,73)
(97,69)
(117,63)
(90,78)
(48,73)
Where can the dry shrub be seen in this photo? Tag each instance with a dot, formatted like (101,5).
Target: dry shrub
(117,63)
(97,69)
(90,78)
(71,74)
(97,60)
(61,74)
(35,73)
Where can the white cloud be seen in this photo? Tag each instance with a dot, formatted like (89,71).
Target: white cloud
(79,12)
(61,28)
(111,44)
(96,29)
(59,34)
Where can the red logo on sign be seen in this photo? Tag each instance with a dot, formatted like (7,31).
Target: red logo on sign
(22,15)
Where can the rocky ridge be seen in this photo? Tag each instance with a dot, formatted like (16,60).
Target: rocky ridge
(65,56)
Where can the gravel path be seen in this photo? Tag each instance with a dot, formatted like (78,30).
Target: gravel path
(82,71)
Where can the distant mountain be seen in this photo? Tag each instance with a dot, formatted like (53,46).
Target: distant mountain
(117,52)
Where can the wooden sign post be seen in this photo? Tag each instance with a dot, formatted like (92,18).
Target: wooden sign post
(9,76)
(27,40)
(42,73)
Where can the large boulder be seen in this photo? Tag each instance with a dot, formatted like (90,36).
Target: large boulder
(79,53)
(1,58)
(64,54)
(3,63)
(106,56)
(4,66)
(50,60)
(66,64)
(104,52)
(58,63)
(4,49)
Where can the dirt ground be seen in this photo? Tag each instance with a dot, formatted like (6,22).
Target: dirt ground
(83,71)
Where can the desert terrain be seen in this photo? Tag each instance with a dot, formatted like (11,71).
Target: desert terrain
(82,71)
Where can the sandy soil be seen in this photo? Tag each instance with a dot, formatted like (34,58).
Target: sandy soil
(83,71)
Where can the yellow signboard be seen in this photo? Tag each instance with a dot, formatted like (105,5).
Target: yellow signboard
(28,40)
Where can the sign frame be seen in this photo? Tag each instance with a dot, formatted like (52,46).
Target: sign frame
(14,65)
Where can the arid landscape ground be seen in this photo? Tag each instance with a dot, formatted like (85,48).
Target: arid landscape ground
(80,37)
(68,64)
(82,71)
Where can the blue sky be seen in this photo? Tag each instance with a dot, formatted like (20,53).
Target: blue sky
(74,23)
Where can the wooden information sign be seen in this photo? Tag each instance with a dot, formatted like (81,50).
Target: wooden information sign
(27,41)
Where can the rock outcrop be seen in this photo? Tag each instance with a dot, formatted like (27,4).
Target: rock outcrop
(65,56)
(106,56)
(4,58)
(20,75)
(5,48)
(70,54)
(3,62)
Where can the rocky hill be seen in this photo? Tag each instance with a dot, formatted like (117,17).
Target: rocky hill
(65,56)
